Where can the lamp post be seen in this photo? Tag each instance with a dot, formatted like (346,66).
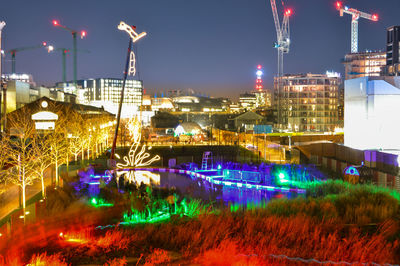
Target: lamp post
(2,25)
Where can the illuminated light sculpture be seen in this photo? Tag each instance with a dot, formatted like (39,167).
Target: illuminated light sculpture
(135,37)
(132,64)
(136,156)
(131,31)
(129,69)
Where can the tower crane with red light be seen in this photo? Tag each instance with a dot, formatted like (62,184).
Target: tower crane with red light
(74,33)
(282,44)
(14,51)
(282,34)
(355,16)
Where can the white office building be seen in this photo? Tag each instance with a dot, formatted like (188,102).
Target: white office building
(372,113)
(106,92)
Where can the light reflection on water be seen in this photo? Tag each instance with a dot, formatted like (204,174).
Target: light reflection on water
(198,188)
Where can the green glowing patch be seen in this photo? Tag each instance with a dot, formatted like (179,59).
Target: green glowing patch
(163,211)
(95,202)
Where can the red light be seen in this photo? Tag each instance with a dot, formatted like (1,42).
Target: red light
(44,43)
(375,17)
(259,66)
(288,12)
(83,34)
(55,22)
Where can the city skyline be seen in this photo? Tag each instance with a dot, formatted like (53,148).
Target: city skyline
(208,46)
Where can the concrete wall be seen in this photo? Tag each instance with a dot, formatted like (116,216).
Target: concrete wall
(17,94)
(380,178)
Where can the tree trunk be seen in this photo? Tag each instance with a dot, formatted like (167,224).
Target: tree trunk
(43,187)
(23,190)
(67,161)
(56,165)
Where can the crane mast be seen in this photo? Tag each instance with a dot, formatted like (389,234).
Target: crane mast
(282,45)
(355,16)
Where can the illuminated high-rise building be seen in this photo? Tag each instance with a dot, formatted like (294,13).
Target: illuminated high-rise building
(247,101)
(308,102)
(106,92)
(393,51)
(364,64)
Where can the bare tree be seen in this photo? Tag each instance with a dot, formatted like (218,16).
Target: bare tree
(57,141)
(75,132)
(42,159)
(4,161)
(22,155)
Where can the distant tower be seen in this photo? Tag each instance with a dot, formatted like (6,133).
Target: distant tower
(259,92)
(259,81)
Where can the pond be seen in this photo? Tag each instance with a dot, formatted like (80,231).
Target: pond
(196,187)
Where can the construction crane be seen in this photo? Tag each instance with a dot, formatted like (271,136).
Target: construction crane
(14,51)
(56,23)
(355,16)
(282,44)
(64,52)
(282,35)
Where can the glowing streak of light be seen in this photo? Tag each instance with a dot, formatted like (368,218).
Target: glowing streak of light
(136,156)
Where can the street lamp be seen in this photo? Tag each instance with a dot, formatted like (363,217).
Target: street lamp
(83,34)
(2,25)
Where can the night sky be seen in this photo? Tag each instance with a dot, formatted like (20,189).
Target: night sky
(212,46)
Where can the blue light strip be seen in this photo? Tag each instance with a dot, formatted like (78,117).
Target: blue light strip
(219,182)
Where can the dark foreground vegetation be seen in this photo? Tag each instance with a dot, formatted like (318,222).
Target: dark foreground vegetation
(336,222)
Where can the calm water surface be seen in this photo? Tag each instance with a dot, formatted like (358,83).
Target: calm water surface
(201,189)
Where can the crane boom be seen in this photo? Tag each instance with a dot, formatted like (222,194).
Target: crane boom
(276,20)
(19,49)
(355,16)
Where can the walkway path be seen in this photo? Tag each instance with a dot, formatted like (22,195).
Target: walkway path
(9,200)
